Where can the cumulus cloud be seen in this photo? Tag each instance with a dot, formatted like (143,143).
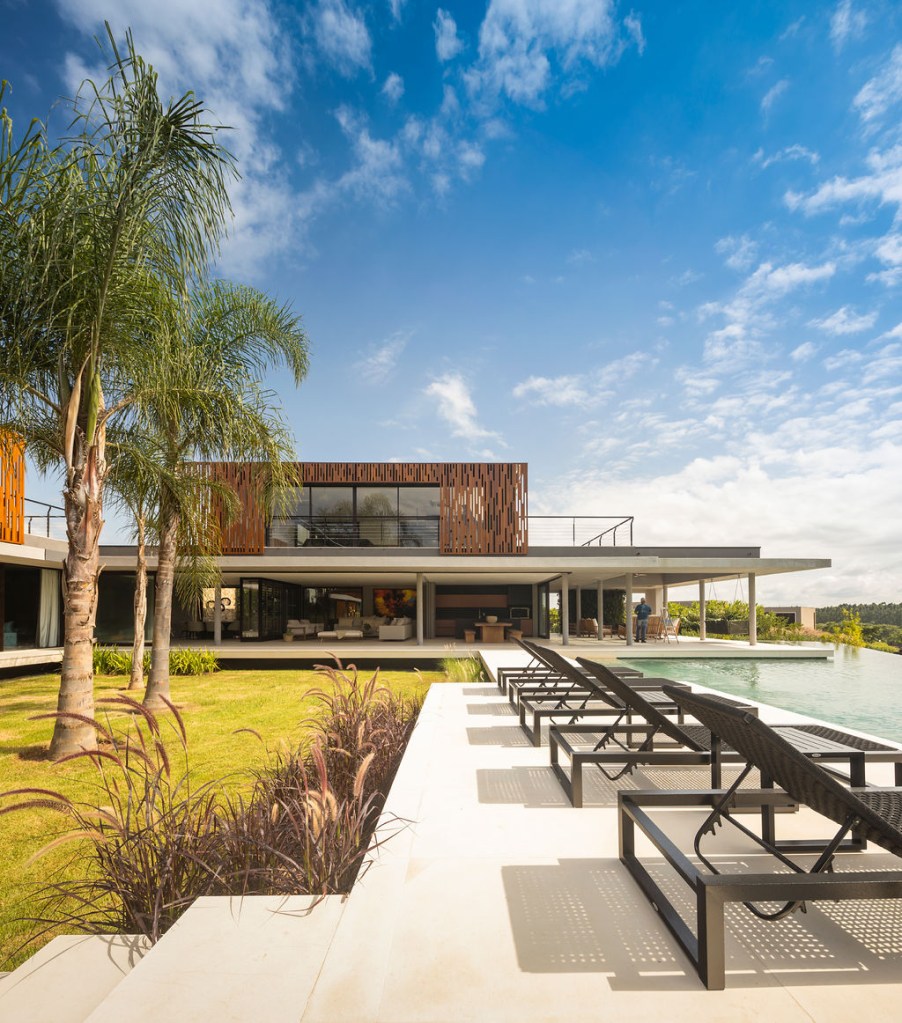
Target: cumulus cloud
(845,321)
(519,40)
(455,405)
(231,53)
(341,36)
(882,184)
(447,42)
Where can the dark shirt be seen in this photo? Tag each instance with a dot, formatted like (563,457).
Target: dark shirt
(643,611)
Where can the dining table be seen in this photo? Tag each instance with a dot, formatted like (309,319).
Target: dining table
(492,632)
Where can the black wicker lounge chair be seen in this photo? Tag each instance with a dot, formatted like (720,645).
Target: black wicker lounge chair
(643,734)
(580,696)
(873,814)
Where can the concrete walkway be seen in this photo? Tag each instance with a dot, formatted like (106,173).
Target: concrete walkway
(500,902)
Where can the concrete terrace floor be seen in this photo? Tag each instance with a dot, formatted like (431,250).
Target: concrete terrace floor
(308,652)
(496,901)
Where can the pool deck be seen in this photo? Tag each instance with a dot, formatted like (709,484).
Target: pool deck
(308,652)
(496,901)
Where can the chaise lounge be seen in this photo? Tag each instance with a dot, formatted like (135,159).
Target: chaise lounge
(871,814)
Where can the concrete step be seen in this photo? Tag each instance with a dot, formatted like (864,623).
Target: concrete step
(68,978)
(248,959)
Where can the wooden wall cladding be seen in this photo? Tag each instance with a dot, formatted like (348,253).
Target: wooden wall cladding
(12,490)
(247,533)
(483,505)
(484,508)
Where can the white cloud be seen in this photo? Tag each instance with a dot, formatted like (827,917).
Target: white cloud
(562,390)
(882,91)
(342,37)
(773,94)
(804,352)
(793,152)
(633,25)
(519,39)
(579,256)
(380,364)
(393,89)
(397,8)
(845,321)
(889,249)
(846,23)
(740,252)
(233,55)
(883,184)
(847,357)
(447,42)
(378,174)
(455,406)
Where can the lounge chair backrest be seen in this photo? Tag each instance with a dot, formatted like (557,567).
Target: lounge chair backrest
(800,776)
(553,660)
(638,704)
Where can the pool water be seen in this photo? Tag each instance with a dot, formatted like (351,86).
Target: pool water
(859,688)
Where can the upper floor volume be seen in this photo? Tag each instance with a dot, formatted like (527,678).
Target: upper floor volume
(450,507)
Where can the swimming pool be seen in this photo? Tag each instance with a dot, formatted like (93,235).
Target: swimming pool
(860,688)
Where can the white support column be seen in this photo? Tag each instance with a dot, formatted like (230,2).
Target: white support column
(217,615)
(579,607)
(565,610)
(702,623)
(665,600)
(753,611)
(629,608)
(600,606)
(420,609)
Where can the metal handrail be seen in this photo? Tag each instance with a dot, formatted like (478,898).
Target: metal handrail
(46,516)
(579,530)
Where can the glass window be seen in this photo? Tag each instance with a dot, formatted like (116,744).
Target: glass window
(418,500)
(332,502)
(380,502)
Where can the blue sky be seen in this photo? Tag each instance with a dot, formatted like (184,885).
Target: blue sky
(652,249)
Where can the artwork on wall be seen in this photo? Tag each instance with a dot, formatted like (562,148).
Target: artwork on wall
(395,603)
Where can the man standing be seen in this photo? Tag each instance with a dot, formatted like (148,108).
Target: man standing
(643,611)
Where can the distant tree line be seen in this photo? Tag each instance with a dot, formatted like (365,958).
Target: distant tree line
(872,614)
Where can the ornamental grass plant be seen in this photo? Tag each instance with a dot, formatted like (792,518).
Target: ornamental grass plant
(147,841)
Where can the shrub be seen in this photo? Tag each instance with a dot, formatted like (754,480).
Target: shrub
(187,661)
(112,661)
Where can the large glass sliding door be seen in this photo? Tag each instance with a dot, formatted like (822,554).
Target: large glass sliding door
(543,618)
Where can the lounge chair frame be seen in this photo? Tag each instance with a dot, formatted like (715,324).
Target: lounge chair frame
(874,814)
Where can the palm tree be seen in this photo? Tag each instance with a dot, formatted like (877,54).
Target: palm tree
(98,238)
(205,401)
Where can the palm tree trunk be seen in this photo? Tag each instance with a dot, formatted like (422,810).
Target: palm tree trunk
(158,682)
(83,500)
(137,677)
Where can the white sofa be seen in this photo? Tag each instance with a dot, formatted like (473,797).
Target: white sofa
(400,628)
(302,627)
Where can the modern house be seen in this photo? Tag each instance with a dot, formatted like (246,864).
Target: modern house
(435,548)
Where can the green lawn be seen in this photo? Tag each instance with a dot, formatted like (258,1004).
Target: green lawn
(214,707)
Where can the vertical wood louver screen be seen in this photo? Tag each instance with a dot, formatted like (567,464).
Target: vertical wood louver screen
(12,490)
(483,505)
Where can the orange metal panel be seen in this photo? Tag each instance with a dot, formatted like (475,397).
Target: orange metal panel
(12,490)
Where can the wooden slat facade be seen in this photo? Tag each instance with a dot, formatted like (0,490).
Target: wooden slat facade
(483,505)
(12,491)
